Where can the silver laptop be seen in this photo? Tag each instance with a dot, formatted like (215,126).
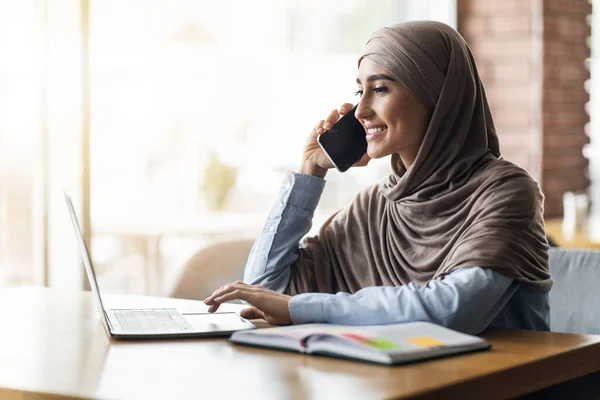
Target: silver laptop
(154,323)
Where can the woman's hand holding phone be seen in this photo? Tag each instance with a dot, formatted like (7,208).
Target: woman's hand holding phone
(314,160)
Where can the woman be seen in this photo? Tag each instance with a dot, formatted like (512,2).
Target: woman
(454,235)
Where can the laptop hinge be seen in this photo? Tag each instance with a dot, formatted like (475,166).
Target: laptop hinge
(108,321)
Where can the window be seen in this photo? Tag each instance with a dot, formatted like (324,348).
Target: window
(199,107)
(196,110)
(20,40)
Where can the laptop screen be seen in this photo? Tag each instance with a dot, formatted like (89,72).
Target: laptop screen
(87,262)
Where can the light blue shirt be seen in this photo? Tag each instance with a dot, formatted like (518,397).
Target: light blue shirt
(469,299)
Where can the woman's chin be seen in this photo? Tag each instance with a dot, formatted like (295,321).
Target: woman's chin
(375,153)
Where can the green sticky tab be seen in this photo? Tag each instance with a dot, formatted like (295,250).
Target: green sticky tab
(382,344)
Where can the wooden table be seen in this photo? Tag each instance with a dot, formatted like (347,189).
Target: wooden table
(52,345)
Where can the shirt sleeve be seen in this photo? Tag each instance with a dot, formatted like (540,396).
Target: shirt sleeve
(466,300)
(290,219)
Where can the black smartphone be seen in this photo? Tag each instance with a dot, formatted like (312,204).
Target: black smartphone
(346,142)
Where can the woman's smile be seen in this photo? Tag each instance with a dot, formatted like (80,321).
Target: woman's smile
(374,133)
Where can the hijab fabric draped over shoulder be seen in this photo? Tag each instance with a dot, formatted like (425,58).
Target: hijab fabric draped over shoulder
(459,205)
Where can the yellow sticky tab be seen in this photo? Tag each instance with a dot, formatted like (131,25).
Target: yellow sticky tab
(425,341)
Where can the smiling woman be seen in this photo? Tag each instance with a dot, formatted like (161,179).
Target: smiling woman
(454,235)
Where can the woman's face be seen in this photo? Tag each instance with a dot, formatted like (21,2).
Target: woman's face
(394,119)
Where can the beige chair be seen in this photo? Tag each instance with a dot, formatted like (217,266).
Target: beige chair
(210,268)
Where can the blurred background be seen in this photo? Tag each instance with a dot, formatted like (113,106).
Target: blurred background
(171,123)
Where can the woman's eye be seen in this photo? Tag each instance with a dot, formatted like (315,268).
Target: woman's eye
(377,90)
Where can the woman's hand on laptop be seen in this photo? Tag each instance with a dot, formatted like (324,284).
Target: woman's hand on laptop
(267,304)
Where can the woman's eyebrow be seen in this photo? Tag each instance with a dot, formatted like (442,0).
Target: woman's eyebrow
(377,77)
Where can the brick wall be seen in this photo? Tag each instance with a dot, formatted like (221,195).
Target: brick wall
(531,57)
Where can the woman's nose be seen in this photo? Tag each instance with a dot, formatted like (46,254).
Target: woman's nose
(362,110)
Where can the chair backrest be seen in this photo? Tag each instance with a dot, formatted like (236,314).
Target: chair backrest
(210,268)
(575,295)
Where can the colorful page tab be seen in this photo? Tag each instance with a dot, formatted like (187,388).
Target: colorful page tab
(425,341)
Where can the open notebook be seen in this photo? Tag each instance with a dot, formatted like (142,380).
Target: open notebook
(384,344)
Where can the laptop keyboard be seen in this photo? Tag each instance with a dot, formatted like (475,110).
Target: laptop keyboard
(156,320)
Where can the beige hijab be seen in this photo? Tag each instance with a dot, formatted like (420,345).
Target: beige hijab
(458,205)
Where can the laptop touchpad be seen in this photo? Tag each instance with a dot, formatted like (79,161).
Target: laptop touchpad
(213,321)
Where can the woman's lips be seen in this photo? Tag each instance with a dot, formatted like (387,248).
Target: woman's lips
(375,135)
